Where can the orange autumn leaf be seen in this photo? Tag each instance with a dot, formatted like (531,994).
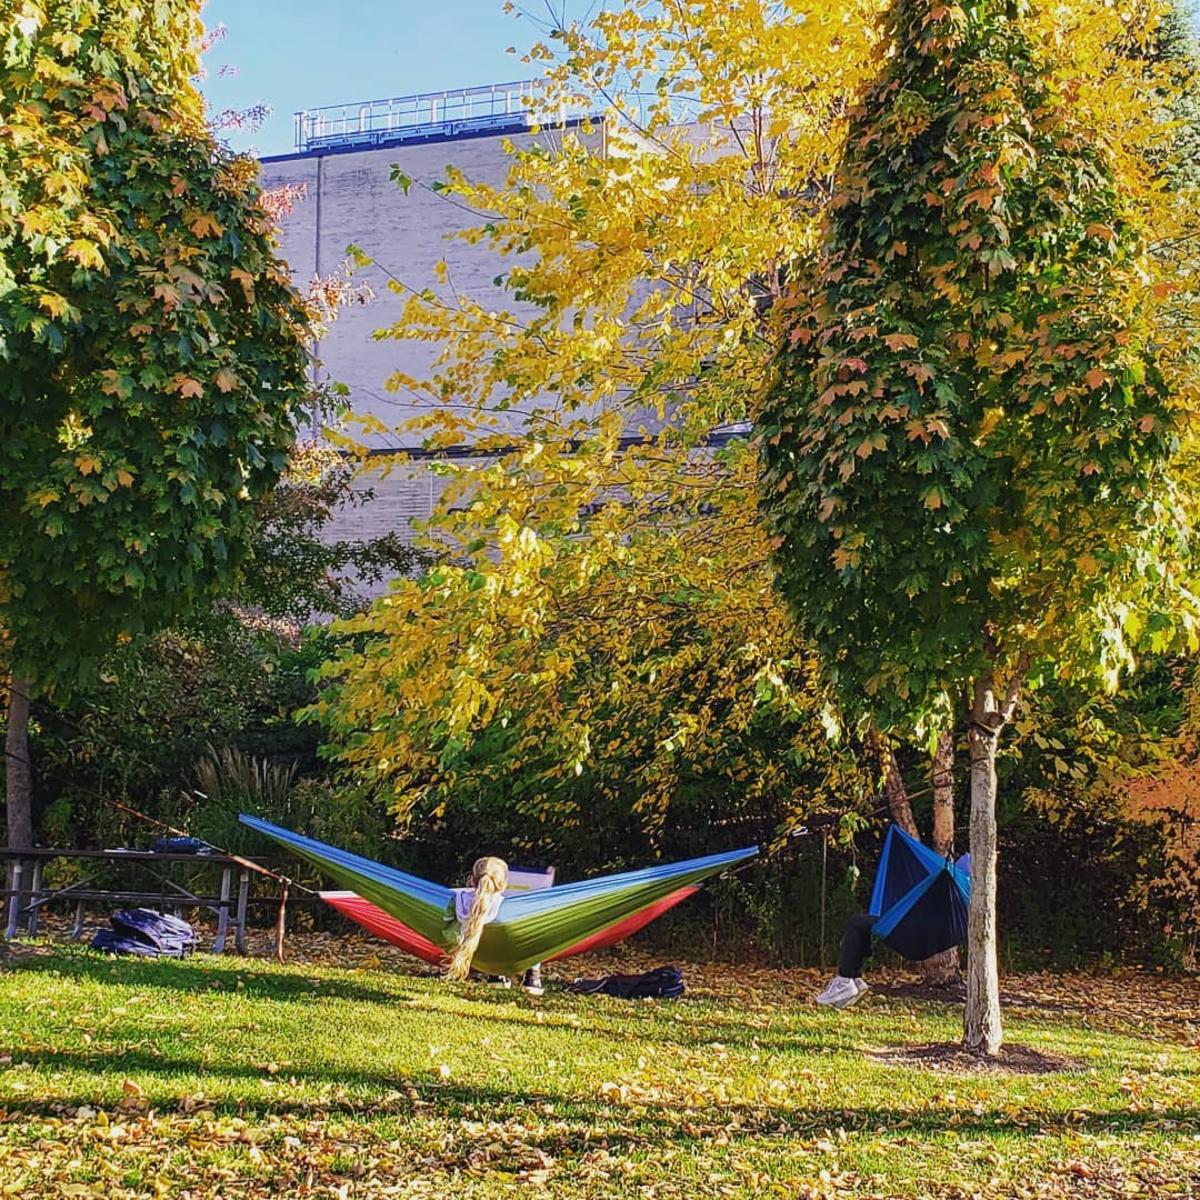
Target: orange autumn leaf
(169,295)
(187,387)
(204,224)
(246,280)
(112,384)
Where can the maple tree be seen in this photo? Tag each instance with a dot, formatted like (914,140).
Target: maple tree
(153,347)
(974,446)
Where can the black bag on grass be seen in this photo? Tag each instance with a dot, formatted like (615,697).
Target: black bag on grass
(146,933)
(663,983)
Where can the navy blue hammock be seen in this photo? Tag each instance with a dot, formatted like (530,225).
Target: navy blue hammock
(920,898)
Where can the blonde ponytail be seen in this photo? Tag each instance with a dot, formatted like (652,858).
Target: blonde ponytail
(490,877)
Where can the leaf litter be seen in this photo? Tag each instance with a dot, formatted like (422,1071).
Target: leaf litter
(345,1074)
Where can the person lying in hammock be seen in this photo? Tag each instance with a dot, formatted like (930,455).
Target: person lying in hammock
(475,906)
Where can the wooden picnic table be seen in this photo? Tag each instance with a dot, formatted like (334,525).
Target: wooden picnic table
(26,894)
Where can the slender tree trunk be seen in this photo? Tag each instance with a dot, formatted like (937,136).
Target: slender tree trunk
(899,805)
(982,1029)
(943,795)
(983,1032)
(18,778)
(942,969)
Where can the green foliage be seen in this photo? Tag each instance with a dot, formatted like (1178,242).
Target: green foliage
(152,346)
(134,732)
(228,782)
(1068,892)
(1094,780)
(232,674)
(243,783)
(590,709)
(192,728)
(972,453)
(297,571)
(729,770)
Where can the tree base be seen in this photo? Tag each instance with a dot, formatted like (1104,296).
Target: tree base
(951,1056)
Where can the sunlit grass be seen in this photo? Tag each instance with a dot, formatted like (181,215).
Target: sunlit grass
(221,1077)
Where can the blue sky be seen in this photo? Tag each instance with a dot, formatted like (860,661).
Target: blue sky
(294,54)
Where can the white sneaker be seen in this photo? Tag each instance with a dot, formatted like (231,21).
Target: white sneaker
(840,993)
(862,985)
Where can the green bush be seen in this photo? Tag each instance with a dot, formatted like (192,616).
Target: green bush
(228,782)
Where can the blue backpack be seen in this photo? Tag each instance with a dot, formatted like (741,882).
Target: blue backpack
(146,933)
(180,845)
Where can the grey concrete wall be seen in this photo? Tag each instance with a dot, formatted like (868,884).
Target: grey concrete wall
(350,199)
(404,492)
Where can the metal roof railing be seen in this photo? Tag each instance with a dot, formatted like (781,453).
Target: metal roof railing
(430,116)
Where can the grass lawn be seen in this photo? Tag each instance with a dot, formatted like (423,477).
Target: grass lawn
(346,1076)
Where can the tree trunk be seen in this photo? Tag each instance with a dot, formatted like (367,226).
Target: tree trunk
(943,795)
(899,804)
(982,1030)
(18,778)
(942,969)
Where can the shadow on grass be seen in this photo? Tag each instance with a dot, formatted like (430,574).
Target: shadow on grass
(697,1024)
(576,1122)
(424,1094)
(199,976)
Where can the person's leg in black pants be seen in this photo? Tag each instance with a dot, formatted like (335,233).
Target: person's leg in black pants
(856,945)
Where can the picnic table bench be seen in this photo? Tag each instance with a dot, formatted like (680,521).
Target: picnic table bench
(25,894)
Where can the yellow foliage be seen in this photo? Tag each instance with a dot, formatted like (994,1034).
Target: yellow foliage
(662,238)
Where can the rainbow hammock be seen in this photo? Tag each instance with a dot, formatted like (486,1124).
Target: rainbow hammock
(530,927)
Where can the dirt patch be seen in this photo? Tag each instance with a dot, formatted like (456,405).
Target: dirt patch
(13,952)
(939,993)
(950,1056)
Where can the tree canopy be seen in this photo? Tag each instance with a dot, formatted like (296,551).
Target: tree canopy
(153,348)
(976,444)
(607,557)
